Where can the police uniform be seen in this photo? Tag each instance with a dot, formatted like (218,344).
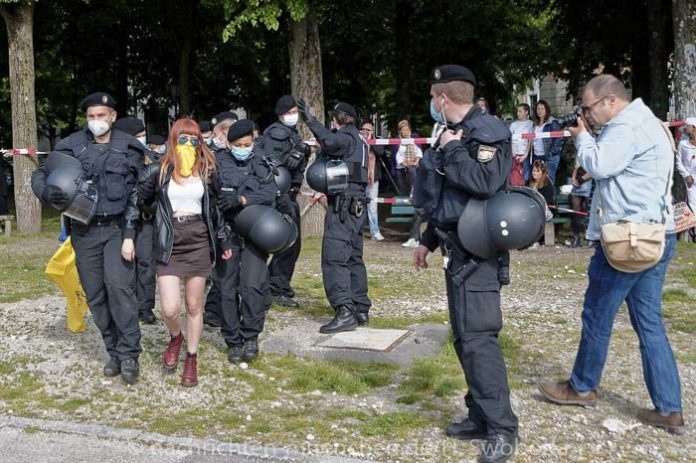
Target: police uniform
(145,270)
(342,266)
(475,167)
(106,277)
(242,280)
(283,144)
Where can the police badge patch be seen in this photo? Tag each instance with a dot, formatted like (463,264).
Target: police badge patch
(485,153)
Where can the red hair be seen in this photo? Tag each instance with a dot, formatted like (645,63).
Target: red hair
(205,159)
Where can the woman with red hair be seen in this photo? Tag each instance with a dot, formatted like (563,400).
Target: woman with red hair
(189,233)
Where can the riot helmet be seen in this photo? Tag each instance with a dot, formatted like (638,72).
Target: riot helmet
(281,175)
(511,219)
(65,172)
(328,176)
(266,228)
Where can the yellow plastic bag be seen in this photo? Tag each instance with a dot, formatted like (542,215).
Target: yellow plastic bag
(63,271)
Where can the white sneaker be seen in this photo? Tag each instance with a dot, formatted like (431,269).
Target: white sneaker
(378,237)
(411,243)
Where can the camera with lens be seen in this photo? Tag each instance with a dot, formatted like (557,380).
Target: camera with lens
(570,120)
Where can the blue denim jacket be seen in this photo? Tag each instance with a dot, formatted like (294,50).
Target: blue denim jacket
(631,161)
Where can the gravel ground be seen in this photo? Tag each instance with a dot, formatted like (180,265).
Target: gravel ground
(542,314)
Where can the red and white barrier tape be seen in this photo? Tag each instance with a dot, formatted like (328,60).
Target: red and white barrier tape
(391,141)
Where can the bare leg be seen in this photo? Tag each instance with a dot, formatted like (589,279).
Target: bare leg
(195,287)
(170,300)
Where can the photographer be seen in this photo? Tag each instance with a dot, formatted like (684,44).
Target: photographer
(631,162)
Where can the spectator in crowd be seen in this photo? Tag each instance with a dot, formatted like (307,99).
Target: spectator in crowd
(547,149)
(157,143)
(579,201)
(541,182)
(374,173)
(686,164)
(483,104)
(520,148)
(407,158)
(207,133)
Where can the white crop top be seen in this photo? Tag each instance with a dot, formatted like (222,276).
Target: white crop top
(187,196)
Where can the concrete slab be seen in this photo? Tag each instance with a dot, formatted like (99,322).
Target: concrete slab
(303,339)
(366,339)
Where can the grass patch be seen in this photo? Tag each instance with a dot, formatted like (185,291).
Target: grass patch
(689,275)
(675,295)
(683,320)
(405,322)
(391,424)
(343,377)
(439,376)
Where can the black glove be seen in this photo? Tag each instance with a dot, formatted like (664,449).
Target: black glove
(304,110)
(294,159)
(54,195)
(228,201)
(146,190)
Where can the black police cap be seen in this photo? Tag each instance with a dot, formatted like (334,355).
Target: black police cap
(223,116)
(205,126)
(156,140)
(450,73)
(342,107)
(130,125)
(98,99)
(284,104)
(240,129)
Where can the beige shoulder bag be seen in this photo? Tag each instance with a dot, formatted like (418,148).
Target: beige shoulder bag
(633,247)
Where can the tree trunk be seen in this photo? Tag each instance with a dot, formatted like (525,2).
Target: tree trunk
(684,21)
(659,44)
(189,11)
(19,19)
(306,82)
(403,65)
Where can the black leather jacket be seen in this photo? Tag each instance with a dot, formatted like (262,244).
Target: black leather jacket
(218,231)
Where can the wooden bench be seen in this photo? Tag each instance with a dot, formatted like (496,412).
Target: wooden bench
(401,211)
(8,223)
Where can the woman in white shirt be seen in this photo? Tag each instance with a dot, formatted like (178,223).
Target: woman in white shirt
(686,161)
(189,233)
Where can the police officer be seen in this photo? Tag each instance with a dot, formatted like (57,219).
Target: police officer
(472,158)
(242,179)
(105,248)
(282,142)
(145,270)
(342,266)
(220,124)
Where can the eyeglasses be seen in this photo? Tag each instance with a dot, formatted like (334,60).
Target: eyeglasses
(190,139)
(588,109)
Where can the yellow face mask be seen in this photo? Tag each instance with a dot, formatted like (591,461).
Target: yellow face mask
(187,158)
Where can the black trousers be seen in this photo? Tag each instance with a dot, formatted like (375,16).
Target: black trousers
(107,280)
(146,270)
(342,266)
(242,282)
(282,265)
(476,319)
(213,302)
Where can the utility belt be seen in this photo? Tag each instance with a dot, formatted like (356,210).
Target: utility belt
(352,201)
(106,220)
(454,249)
(188,218)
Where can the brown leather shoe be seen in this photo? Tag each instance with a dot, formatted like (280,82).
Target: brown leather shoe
(190,376)
(673,423)
(171,353)
(562,394)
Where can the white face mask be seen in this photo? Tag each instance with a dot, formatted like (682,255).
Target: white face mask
(98,127)
(162,149)
(143,141)
(290,119)
(219,144)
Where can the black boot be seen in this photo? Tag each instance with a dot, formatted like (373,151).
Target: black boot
(363,318)
(147,316)
(236,354)
(251,350)
(466,430)
(343,321)
(112,368)
(576,241)
(130,370)
(499,448)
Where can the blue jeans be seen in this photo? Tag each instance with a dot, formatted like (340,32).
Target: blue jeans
(552,165)
(607,290)
(371,192)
